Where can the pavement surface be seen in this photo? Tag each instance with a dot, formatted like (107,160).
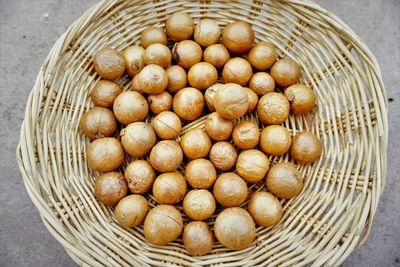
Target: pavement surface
(28,29)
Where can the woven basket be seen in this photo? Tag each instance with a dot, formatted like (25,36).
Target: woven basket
(329,219)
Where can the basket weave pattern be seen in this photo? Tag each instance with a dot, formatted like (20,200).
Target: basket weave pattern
(329,219)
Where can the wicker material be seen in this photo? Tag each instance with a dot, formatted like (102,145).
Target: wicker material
(323,225)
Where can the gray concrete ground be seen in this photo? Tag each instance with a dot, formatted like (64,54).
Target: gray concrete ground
(28,28)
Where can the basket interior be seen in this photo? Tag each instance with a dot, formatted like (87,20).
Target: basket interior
(329,218)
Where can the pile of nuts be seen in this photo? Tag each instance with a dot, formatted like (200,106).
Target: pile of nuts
(216,163)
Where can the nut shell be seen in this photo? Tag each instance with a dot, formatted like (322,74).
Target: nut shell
(177,78)
(218,128)
(223,155)
(131,211)
(217,55)
(109,64)
(237,70)
(265,209)
(306,147)
(234,228)
(284,181)
(159,103)
(98,123)
(202,75)
(169,187)
(199,204)
(200,173)
(301,98)
(188,104)
(163,224)
(210,94)
(197,238)
(110,188)
(238,37)
(231,101)
(187,53)
(253,100)
(273,108)
(152,79)
(167,125)
(230,190)
(252,165)
(104,93)
(134,59)
(140,176)
(195,144)
(207,32)
(105,154)
(286,72)
(130,107)
(262,83)
(166,156)
(275,140)
(158,54)
(138,139)
(179,26)
(246,135)
(262,56)
(153,35)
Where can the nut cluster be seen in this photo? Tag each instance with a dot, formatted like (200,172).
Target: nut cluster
(206,167)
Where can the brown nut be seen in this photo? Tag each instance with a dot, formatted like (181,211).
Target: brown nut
(158,54)
(223,155)
(187,53)
(197,238)
(246,135)
(105,154)
(163,224)
(273,108)
(104,93)
(153,35)
(134,59)
(237,70)
(275,140)
(130,106)
(217,55)
(301,98)
(152,79)
(188,104)
(286,72)
(207,32)
(131,211)
(167,125)
(109,64)
(218,128)
(98,123)
(265,209)
(202,75)
(231,101)
(199,204)
(210,94)
(306,147)
(262,56)
(166,156)
(138,138)
(195,144)
(252,165)
(177,78)
(234,228)
(262,83)
(159,103)
(284,181)
(200,173)
(230,190)
(169,188)
(179,26)
(135,84)
(253,100)
(110,188)
(140,176)
(238,37)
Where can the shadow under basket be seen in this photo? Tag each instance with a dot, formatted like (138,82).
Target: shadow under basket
(332,215)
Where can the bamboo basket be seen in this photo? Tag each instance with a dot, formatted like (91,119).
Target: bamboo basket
(329,219)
